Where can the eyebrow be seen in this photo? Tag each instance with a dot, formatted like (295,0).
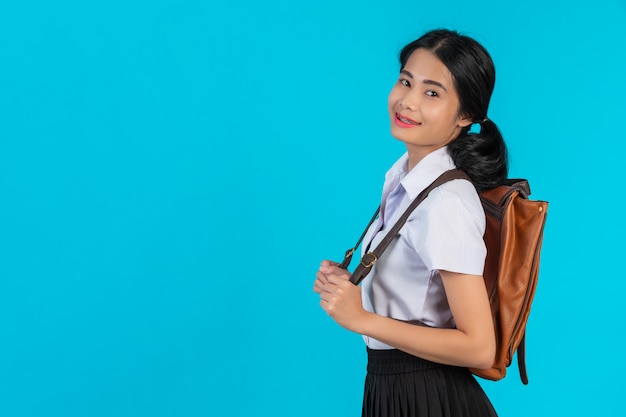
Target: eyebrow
(430,82)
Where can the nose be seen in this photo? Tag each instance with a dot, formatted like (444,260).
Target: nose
(410,100)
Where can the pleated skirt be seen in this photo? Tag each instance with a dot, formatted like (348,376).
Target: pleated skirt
(401,385)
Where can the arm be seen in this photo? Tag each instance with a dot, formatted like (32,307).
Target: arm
(471,344)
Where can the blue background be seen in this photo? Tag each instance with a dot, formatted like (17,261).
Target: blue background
(172,172)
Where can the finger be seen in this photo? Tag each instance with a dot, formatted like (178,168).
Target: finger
(326,266)
(335,270)
(327,262)
(326,290)
(321,277)
(318,286)
(327,300)
(339,281)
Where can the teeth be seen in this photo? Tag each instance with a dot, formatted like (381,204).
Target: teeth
(403,120)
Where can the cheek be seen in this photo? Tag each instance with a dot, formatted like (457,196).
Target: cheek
(392,99)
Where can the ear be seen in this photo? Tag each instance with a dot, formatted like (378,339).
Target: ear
(464,121)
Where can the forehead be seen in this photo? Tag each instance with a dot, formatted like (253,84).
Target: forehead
(423,64)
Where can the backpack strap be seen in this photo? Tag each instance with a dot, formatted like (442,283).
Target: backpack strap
(521,360)
(520,185)
(348,255)
(370,258)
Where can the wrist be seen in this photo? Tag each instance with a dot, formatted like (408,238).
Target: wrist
(365,323)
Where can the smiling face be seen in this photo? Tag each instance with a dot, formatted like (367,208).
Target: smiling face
(424,106)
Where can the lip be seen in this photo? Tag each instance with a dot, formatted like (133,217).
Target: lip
(405,125)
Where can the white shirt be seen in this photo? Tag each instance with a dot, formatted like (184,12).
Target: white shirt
(445,232)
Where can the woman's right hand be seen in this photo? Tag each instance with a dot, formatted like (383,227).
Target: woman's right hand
(321,278)
(339,297)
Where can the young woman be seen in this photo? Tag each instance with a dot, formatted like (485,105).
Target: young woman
(423,310)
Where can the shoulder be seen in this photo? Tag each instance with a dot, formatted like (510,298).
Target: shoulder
(452,206)
(461,193)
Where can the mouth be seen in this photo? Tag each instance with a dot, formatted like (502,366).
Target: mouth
(403,121)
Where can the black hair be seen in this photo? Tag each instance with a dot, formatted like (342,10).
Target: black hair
(483,156)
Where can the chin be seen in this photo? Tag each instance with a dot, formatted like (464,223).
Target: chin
(399,134)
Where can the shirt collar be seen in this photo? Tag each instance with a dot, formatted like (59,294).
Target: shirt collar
(424,173)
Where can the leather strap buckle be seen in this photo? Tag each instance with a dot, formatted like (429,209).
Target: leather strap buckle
(368,260)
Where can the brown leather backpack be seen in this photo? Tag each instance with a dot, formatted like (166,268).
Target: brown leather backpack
(513,237)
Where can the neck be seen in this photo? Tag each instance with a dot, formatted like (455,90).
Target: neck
(416,154)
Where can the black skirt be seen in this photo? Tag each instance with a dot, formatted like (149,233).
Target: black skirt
(402,385)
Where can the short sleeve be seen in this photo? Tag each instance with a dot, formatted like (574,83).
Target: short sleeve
(449,234)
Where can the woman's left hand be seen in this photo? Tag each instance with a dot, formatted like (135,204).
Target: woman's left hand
(339,297)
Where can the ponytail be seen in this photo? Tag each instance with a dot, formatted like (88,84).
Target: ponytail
(483,156)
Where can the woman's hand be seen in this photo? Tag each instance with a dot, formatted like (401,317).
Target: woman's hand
(325,268)
(338,296)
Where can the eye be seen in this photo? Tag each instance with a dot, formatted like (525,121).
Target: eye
(404,82)
(432,93)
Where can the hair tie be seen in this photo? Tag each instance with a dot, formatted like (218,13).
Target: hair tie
(485,120)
